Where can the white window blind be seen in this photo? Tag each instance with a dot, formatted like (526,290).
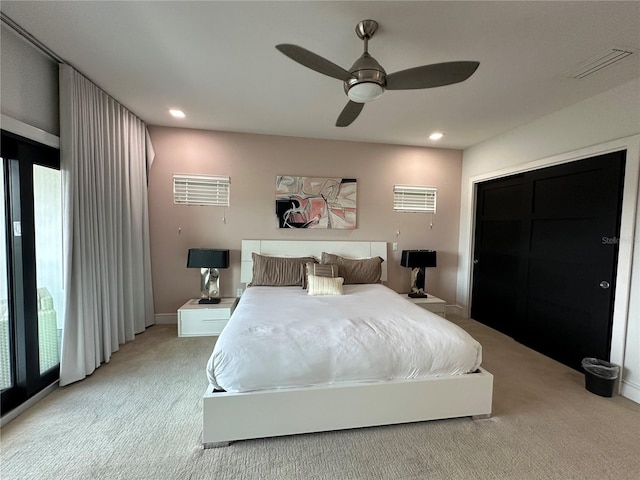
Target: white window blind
(414,198)
(201,190)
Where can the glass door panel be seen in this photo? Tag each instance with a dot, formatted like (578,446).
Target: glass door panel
(30,269)
(6,362)
(47,210)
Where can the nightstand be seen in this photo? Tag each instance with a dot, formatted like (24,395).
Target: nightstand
(431,303)
(196,320)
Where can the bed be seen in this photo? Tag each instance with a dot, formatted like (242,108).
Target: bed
(289,362)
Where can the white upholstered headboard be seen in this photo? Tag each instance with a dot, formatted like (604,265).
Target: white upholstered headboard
(309,247)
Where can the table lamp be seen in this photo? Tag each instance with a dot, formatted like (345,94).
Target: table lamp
(208,260)
(417,261)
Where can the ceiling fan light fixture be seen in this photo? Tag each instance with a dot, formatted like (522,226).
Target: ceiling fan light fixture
(365,92)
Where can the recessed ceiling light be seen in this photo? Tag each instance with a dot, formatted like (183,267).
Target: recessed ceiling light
(436,136)
(177,113)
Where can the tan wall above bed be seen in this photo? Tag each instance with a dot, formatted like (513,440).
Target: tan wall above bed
(252,162)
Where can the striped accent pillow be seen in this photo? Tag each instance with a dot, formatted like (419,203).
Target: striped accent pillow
(325,285)
(321,270)
(313,268)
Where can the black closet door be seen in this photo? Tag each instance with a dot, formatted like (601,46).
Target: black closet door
(498,240)
(559,299)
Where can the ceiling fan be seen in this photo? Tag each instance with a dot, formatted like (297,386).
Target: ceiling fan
(366,80)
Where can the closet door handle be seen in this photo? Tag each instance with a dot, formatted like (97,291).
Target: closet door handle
(604,284)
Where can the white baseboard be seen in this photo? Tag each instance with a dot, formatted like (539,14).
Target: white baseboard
(630,390)
(166,318)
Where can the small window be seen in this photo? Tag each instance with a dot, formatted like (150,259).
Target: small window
(414,198)
(201,190)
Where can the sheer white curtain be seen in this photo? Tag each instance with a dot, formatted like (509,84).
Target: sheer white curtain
(105,157)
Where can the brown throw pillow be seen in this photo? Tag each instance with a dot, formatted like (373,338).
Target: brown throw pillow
(278,271)
(361,270)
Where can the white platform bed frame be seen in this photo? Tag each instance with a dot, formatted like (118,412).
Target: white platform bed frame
(229,416)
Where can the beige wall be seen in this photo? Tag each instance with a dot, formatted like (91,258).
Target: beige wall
(252,162)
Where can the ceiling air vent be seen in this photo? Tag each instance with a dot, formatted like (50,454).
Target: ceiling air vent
(598,62)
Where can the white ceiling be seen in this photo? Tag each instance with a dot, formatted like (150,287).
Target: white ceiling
(217,61)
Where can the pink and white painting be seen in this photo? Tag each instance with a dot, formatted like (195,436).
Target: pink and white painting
(316,202)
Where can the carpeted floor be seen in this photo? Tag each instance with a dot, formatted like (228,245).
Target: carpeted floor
(139,417)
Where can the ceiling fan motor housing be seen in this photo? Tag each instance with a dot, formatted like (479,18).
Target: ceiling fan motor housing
(368,82)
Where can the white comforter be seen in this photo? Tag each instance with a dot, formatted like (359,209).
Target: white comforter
(280,337)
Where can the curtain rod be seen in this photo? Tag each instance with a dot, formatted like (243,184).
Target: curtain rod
(30,38)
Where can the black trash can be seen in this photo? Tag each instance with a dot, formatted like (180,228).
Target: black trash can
(600,376)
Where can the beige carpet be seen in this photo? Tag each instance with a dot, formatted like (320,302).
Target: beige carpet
(139,417)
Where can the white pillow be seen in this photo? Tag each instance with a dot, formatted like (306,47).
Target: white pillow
(325,285)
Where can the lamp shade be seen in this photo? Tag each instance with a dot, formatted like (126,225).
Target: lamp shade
(208,258)
(418,258)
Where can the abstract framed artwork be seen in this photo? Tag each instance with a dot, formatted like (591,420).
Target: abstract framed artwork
(316,202)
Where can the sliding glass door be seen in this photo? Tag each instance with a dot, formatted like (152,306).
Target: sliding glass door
(6,377)
(31,296)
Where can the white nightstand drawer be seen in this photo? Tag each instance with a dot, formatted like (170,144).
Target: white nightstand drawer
(196,319)
(440,309)
(188,327)
(207,314)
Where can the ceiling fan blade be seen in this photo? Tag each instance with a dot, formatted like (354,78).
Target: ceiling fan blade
(428,76)
(313,61)
(349,113)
